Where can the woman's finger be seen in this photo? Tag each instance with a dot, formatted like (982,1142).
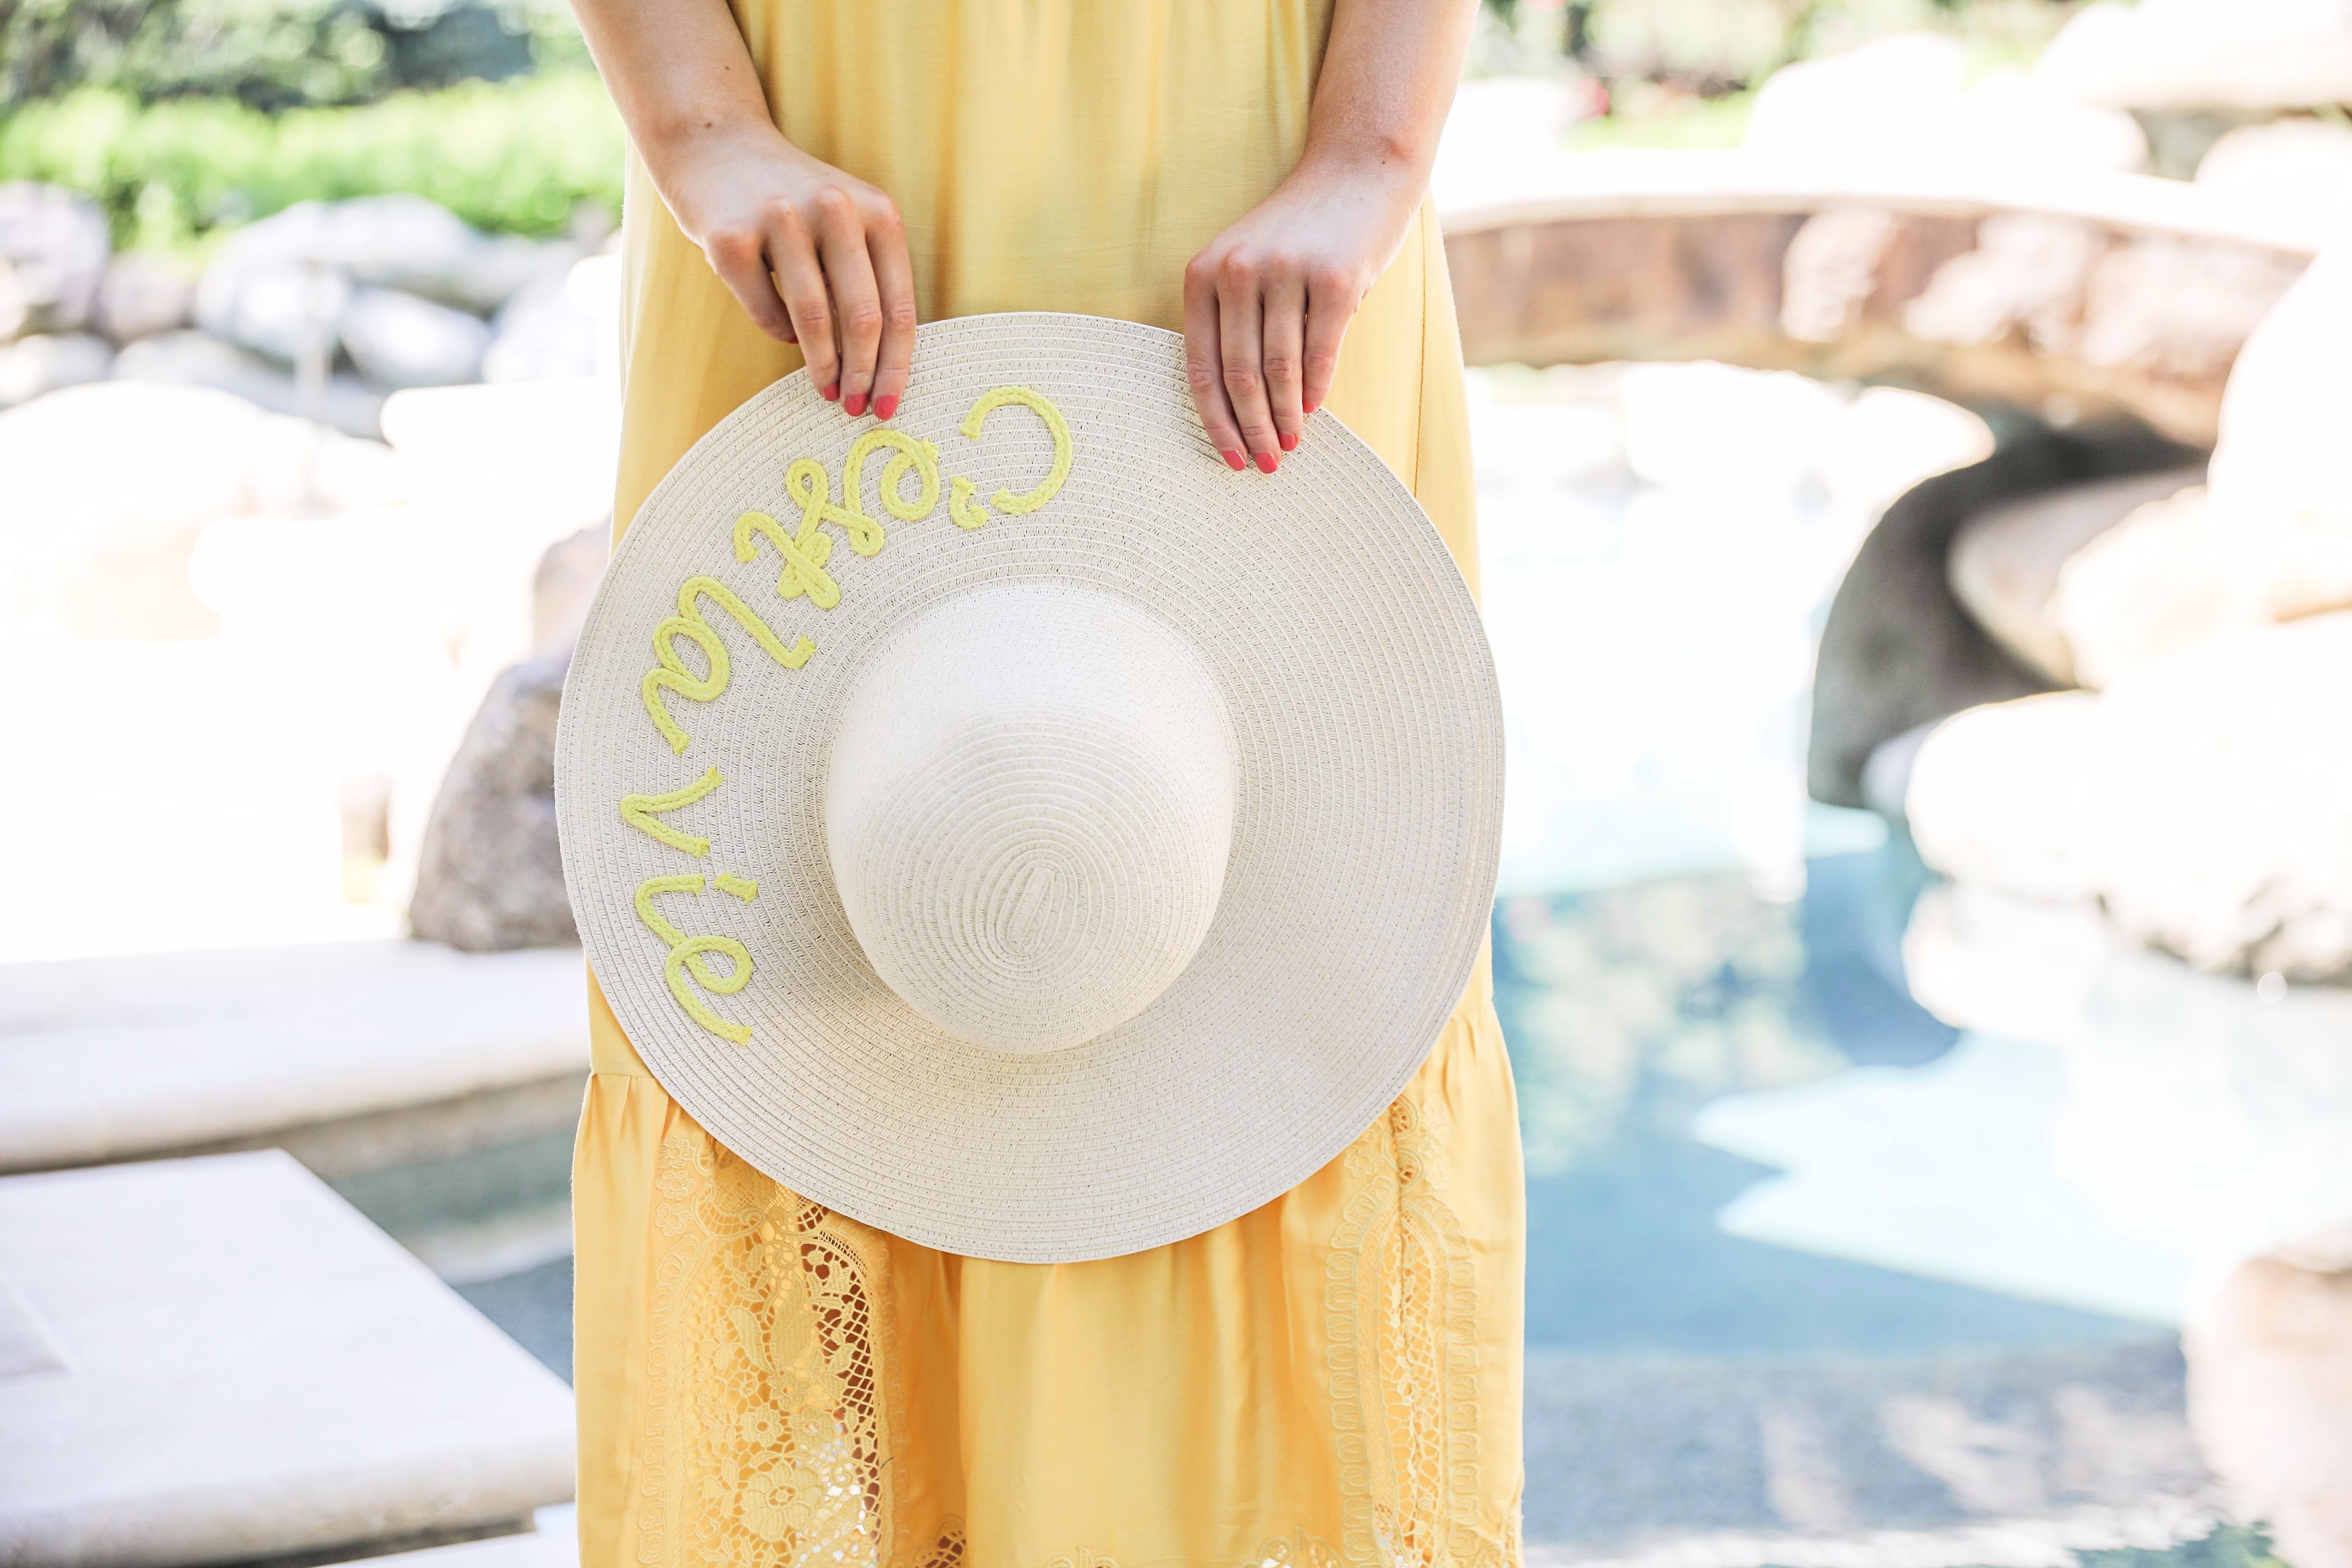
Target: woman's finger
(1331,306)
(893,276)
(1204,360)
(856,300)
(794,260)
(1241,318)
(1285,330)
(739,258)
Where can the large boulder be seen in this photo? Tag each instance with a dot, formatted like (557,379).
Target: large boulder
(1913,90)
(198,359)
(2281,471)
(2270,1398)
(2268,539)
(286,310)
(142,295)
(2205,800)
(2244,55)
(491,874)
(2292,165)
(31,366)
(1898,651)
(398,339)
(2004,565)
(403,242)
(2005,796)
(564,584)
(2146,589)
(543,333)
(55,243)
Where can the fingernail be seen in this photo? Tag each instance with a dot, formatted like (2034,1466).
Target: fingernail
(1265,461)
(886,405)
(1289,442)
(1234,461)
(854,402)
(1313,406)
(829,391)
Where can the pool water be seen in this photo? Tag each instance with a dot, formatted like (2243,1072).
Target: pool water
(1630,1009)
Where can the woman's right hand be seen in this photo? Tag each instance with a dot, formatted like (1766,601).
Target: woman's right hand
(815,256)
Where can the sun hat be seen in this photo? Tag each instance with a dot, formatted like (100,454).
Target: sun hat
(1012,829)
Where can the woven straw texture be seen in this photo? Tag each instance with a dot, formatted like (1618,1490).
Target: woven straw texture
(1366,754)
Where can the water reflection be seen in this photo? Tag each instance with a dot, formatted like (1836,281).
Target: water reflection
(1631,1011)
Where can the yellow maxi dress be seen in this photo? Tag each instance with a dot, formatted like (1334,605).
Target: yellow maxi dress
(1333,1378)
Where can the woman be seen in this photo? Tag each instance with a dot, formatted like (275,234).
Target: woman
(1333,1377)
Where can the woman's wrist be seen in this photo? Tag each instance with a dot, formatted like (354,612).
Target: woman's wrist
(674,146)
(1377,173)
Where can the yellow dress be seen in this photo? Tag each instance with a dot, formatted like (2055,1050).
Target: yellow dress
(1333,1378)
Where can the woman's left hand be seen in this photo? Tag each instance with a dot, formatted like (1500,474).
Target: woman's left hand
(1268,300)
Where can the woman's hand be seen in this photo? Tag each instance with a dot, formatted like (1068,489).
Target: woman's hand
(1267,302)
(815,256)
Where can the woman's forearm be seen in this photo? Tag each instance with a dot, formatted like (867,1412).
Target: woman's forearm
(1389,68)
(677,70)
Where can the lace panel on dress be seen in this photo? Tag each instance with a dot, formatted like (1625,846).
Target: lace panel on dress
(767,1428)
(1401,1303)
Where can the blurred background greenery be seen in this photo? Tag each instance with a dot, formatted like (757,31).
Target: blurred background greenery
(185,117)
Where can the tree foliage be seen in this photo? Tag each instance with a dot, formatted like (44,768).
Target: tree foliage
(270,54)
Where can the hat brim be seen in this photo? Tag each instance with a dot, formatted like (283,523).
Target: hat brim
(1369,759)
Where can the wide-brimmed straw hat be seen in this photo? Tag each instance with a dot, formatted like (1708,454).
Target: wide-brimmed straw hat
(1013,828)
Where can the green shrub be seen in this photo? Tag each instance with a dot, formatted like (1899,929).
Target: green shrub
(274,54)
(517,157)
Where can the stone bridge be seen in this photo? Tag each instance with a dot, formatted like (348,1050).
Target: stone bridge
(2075,297)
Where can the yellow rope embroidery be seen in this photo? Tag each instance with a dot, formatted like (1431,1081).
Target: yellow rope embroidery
(811,488)
(690,955)
(640,810)
(673,673)
(804,555)
(908,454)
(742,887)
(966,512)
(1005,501)
(718,592)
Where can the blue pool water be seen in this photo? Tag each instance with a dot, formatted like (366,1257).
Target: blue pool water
(1698,988)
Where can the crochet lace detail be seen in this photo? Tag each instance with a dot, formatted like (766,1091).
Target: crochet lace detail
(768,1418)
(1399,1300)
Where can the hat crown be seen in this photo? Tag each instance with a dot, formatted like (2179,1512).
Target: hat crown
(1028,810)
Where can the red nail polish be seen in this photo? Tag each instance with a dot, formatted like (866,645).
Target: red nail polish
(886,405)
(1289,443)
(1265,461)
(1234,461)
(854,402)
(1313,406)
(829,391)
